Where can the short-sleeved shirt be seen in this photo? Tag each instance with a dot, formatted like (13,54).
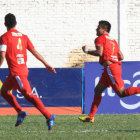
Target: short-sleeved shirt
(15,45)
(110,48)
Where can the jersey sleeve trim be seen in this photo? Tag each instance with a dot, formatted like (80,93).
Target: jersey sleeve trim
(3,48)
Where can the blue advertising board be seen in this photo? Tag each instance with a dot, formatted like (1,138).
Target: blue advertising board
(63,89)
(111,103)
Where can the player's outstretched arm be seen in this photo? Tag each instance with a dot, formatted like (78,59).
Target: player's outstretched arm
(41,59)
(2,57)
(97,52)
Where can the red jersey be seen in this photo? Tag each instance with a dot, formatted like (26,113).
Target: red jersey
(15,45)
(110,48)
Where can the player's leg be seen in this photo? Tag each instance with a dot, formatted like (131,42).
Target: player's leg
(96,102)
(97,98)
(10,98)
(132,91)
(40,106)
(101,86)
(128,91)
(25,89)
(117,83)
(114,72)
(34,100)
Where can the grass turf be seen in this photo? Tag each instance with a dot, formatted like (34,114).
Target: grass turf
(68,127)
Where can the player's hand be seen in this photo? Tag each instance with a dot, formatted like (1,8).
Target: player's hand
(50,69)
(84,48)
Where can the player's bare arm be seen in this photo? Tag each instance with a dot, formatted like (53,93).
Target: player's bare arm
(97,52)
(2,57)
(120,56)
(41,59)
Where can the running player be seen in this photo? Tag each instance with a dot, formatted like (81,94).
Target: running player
(13,46)
(110,58)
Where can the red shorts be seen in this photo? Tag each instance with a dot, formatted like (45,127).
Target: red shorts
(18,82)
(112,77)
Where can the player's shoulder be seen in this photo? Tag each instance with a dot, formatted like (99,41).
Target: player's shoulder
(4,35)
(110,38)
(24,35)
(107,36)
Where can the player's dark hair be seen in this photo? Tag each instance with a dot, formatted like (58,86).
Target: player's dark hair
(105,25)
(10,20)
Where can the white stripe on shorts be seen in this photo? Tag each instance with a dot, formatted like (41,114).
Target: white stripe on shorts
(110,75)
(19,82)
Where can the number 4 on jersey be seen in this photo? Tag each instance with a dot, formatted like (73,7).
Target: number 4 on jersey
(19,45)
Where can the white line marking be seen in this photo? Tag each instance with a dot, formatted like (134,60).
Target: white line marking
(75,131)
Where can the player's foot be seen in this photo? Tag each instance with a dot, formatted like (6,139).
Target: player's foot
(20,118)
(86,119)
(50,122)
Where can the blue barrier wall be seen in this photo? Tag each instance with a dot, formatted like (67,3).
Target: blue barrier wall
(61,90)
(111,103)
(66,88)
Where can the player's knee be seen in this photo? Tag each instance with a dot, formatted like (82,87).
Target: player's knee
(2,91)
(97,91)
(121,94)
(25,93)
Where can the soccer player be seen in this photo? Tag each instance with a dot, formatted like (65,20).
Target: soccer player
(13,46)
(110,58)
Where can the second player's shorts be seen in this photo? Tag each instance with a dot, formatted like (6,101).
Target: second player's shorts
(112,77)
(20,83)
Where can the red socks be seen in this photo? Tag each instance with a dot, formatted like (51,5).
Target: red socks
(97,99)
(132,91)
(95,104)
(10,98)
(39,105)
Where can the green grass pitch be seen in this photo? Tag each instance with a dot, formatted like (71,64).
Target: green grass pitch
(68,127)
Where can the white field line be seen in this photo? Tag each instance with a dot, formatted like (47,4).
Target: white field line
(75,131)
